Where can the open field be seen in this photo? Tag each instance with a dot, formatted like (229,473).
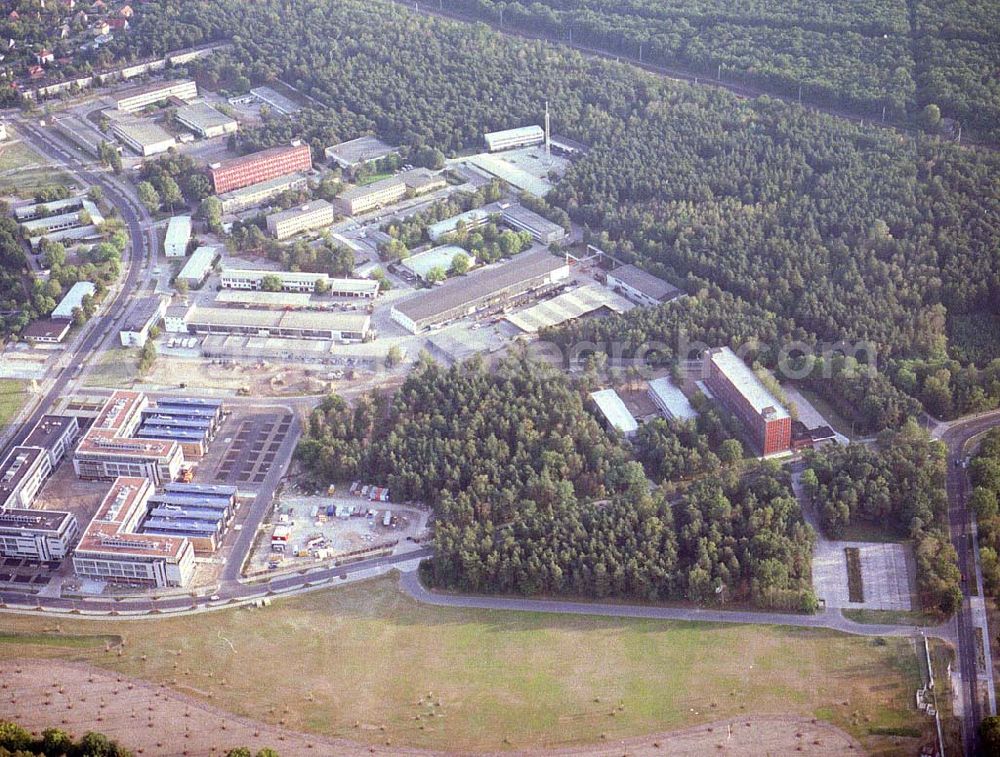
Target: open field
(117,368)
(23,171)
(13,395)
(467,679)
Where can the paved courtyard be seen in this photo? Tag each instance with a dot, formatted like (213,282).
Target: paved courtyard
(885,575)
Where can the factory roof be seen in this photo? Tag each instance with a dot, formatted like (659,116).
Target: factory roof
(178,230)
(669,394)
(357,151)
(521,132)
(566,307)
(145,133)
(532,221)
(645,282)
(73,299)
(469,218)
(155,86)
(423,263)
(614,410)
(266,319)
(142,314)
(747,382)
(199,264)
(263,299)
(466,290)
(495,165)
(202,116)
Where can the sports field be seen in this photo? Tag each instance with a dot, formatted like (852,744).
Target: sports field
(366,663)
(13,395)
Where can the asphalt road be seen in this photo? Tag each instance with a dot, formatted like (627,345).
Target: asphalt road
(960,521)
(141,252)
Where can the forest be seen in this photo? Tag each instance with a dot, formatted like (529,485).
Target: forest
(531,495)
(897,55)
(898,487)
(984,471)
(831,228)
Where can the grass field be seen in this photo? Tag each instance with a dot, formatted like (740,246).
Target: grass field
(117,368)
(23,171)
(892,617)
(349,661)
(13,395)
(365,181)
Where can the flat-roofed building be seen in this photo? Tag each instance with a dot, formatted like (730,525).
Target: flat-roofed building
(421,264)
(37,535)
(178,236)
(113,549)
(615,413)
(298,281)
(641,286)
(54,207)
(421,181)
(568,306)
(144,314)
(275,100)
(72,300)
(357,200)
(137,98)
(670,400)
(197,512)
(205,121)
(110,449)
(471,219)
(46,331)
(492,288)
(143,137)
(192,422)
(257,167)
(261,192)
(269,300)
(541,229)
(198,266)
(738,388)
(80,223)
(288,223)
(358,152)
(508,139)
(338,326)
(22,474)
(55,434)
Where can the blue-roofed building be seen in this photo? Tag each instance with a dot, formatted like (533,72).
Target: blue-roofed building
(190,421)
(205,536)
(200,512)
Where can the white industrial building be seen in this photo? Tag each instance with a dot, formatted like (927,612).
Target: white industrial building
(338,327)
(509,139)
(615,413)
(137,98)
(143,137)
(73,300)
(641,286)
(198,266)
(299,281)
(470,219)
(144,314)
(357,152)
(670,400)
(68,226)
(541,229)
(178,235)
(204,120)
(288,223)
(256,194)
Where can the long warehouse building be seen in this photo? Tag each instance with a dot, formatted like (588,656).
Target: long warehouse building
(527,274)
(338,327)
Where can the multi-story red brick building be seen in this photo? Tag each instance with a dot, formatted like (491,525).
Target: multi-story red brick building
(260,166)
(736,386)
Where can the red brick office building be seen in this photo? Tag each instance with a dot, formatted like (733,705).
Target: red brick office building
(260,166)
(739,389)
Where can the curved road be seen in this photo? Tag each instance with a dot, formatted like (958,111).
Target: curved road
(141,252)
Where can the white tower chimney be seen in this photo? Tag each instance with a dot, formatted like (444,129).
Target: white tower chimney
(548,148)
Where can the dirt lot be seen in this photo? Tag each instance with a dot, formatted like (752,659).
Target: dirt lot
(153,720)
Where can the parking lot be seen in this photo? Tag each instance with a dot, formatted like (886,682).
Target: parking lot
(245,448)
(25,574)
